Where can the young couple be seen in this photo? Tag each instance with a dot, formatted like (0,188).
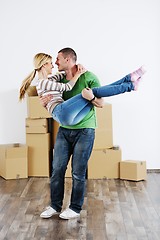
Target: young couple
(75,112)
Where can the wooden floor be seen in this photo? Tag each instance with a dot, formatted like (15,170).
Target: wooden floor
(113,210)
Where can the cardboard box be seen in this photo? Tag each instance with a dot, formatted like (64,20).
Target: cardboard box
(104,132)
(133,170)
(38,154)
(103,138)
(13,161)
(36,125)
(55,130)
(35,109)
(104,163)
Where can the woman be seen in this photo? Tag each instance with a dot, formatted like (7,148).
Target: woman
(73,110)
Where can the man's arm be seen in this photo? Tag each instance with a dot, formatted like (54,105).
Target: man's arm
(94,82)
(88,94)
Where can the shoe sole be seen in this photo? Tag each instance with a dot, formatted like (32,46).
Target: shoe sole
(49,216)
(68,217)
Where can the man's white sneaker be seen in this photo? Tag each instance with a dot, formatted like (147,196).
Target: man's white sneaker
(49,212)
(69,214)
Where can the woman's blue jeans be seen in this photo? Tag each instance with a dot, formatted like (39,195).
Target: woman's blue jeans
(79,144)
(73,110)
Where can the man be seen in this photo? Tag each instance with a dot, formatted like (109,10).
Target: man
(76,140)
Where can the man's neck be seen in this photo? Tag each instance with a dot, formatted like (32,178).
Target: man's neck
(71,72)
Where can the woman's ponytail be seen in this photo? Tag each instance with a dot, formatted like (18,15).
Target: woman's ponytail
(39,60)
(25,84)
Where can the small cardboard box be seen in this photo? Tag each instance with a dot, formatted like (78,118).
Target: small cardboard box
(36,125)
(35,109)
(13,161)
(38,154)
(104,163)
(133,170)
(104,132)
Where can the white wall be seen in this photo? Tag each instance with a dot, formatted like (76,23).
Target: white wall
(111,38)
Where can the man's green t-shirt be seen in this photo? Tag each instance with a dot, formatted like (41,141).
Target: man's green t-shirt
(90,80)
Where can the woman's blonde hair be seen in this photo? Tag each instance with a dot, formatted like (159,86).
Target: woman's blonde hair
(39,60)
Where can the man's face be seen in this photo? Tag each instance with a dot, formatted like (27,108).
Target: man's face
(61,62)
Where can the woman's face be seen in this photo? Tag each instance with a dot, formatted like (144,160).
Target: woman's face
(48,67)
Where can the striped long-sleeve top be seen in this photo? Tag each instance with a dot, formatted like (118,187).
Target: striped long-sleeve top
(53,86)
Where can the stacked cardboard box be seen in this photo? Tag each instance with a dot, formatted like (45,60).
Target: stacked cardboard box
(102,156)
(104,131)
(104,163)
(13,161)
(105,159)
(41,131)
(39,136)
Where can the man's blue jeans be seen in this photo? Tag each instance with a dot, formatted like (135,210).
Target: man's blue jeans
(79,144)
(73,110)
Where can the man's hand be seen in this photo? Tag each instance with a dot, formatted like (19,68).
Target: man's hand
(88,94)
(98,102)
(44,100)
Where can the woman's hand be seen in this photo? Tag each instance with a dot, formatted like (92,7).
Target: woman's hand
(80,70)
(80,67)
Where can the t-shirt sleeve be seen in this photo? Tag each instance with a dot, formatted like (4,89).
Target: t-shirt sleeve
(57,77)
(92,80)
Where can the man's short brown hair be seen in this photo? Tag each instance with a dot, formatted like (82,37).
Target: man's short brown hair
(69,52)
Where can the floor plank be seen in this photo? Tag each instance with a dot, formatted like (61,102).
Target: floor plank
(113,210)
